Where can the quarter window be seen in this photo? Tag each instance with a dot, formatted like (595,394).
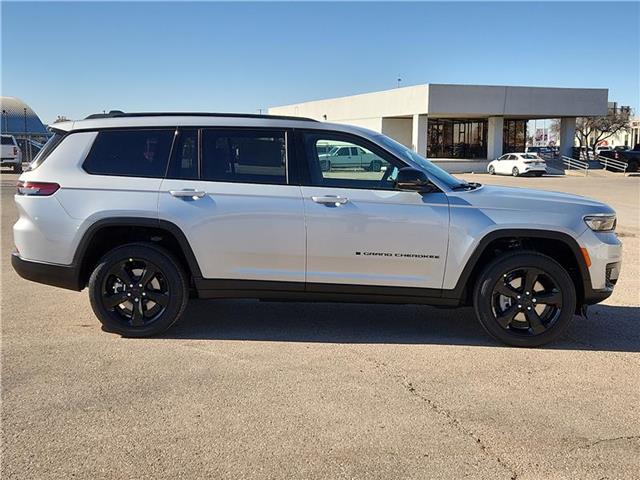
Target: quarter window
(132,153)
(244,156)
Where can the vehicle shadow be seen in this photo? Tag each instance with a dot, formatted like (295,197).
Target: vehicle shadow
(608,328)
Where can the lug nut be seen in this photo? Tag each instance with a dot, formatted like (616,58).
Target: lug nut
(140,285)
(527,293)
(518,297)
(135,299)
(534,300)
(528,308)
(519,306)
(128,294)
(144,294)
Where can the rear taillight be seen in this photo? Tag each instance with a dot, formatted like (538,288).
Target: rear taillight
(38,189)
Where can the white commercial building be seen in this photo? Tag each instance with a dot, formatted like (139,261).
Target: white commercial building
(459,121)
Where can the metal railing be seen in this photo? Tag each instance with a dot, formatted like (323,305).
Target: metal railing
(573,164)
(613,164)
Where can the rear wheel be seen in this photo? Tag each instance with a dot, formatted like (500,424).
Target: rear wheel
(538,174)
(492,170)
(17,168)
(375,166)
(525,299)
(515,172)
(632,166)
(138,290)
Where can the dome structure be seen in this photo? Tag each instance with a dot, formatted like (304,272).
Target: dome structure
(16,114)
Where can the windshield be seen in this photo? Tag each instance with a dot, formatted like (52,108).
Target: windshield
(419,162)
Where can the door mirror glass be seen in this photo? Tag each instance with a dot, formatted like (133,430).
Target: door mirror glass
(414,180)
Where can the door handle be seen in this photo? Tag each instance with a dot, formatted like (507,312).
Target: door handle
(188,193)
(334,200)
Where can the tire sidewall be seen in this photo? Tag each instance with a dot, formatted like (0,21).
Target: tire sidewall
(494,271)
(172,272)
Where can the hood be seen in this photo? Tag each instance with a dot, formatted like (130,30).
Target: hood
(528,207)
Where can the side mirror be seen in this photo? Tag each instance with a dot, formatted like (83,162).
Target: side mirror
(413,180)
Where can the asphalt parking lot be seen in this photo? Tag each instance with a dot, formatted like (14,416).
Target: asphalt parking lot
(243,389)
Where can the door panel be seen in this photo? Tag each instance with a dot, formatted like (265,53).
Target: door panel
(229,195)
(240,231)
(376,237)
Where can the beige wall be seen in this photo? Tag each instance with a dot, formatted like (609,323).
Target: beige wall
(399,129)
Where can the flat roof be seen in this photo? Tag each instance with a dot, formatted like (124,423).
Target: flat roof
(453,100)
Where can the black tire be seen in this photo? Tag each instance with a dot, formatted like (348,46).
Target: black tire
(134,262)
(17,168)
(524,317)
(538,174)
(375,166)
(632,166)
(515,172)
(492,170)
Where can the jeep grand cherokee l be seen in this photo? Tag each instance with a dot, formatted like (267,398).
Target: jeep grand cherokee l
(147,210)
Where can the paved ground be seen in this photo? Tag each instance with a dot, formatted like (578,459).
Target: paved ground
(242,389)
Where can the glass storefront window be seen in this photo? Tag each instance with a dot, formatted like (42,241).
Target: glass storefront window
(456,138)
(514,136)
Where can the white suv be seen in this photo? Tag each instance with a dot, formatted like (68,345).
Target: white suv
(150,209)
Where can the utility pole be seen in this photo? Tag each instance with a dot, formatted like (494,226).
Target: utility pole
(399,80)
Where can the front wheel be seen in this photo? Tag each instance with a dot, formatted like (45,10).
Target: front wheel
(375,166)
(492,170)
(515,172)
(138,290)
(525,299)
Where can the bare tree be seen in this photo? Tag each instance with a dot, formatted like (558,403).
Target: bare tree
(61,118)
(598,129)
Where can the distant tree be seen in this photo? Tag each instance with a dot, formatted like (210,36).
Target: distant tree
(61,118)
(597,129)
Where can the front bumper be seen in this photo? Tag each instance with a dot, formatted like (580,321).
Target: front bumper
(63,276)
(605,253)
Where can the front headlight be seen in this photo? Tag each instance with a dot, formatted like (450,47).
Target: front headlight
(600,223)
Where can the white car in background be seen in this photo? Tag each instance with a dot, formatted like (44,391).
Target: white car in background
(517,164)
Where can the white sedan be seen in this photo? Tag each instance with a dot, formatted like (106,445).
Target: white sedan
(517,164)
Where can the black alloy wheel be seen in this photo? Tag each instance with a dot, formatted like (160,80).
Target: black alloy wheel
(138,290)
(525,298)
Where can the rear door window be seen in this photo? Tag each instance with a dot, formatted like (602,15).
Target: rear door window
(131,153)
(244,156)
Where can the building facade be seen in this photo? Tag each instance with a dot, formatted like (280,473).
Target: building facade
(459,121)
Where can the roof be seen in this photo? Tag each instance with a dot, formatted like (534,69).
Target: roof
(172,120)
(14,114)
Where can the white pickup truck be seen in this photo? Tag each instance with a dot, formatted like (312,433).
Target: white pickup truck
(345,156)
(11,154)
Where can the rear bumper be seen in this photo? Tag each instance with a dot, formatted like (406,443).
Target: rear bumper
(63,276)
(10,161)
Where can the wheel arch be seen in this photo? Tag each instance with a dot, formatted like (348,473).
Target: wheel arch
(560,246)
(99,238)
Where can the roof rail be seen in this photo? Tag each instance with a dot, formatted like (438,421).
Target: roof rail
(121,114)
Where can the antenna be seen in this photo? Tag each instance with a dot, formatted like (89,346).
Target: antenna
(399,80)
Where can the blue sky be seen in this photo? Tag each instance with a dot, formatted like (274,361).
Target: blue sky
(78,58)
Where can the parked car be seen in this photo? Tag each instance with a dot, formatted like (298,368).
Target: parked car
(517,164)
(345,156)
(11,154)
(148,210)
(601,150)
(630,157)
